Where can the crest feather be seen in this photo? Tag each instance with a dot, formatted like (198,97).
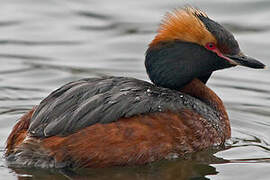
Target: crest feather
(184,24)
(195,11)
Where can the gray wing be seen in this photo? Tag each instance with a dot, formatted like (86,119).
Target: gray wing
(85,102)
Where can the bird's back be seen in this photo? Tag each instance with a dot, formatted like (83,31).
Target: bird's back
(82,103)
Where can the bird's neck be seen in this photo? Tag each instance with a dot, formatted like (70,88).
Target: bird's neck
(199,90)
(174,64)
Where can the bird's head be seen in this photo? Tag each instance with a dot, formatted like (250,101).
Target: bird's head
(190,45)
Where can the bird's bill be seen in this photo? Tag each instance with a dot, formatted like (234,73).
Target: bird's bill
(243,60)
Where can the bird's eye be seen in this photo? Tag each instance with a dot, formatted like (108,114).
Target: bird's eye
(210,46)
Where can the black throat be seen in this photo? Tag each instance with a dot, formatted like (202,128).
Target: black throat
(175,64)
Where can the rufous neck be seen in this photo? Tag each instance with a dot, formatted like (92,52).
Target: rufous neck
(199,90)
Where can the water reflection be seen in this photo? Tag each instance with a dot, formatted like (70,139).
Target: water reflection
(196,166)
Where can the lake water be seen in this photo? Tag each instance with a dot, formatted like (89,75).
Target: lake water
(44,44)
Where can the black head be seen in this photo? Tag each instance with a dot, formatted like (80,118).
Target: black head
(190,45)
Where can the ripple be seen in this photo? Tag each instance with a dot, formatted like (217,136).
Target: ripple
(39,43)
(19,88)
(15,111)
(25,57)
(15,71)
(238,28)
(244,88)
(121,28)
(9,23)
(94,15)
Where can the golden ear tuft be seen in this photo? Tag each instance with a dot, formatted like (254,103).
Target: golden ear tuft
(184,25)
(194,11)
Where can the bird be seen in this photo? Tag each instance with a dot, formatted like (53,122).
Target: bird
(121,121)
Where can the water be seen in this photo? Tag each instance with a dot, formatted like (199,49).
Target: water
(44,44)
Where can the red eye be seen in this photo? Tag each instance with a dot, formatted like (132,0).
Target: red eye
(210,46)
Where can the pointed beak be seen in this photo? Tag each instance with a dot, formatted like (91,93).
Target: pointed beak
(243,60)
